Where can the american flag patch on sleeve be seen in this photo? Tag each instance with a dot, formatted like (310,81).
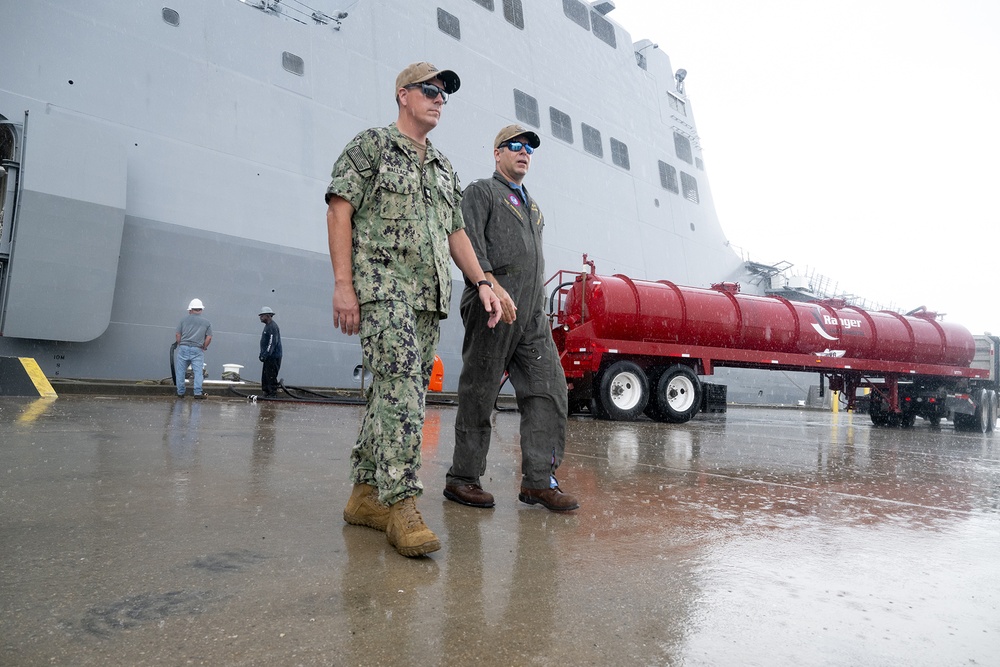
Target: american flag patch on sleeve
(358,159)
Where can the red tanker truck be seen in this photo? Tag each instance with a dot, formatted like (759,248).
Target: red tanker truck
(632,347)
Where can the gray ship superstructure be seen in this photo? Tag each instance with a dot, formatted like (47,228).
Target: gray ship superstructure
(155,152)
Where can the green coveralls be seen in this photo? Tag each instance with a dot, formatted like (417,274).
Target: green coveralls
(507,236)
(404,212)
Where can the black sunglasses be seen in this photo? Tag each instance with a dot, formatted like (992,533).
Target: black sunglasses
(516,146)
(430,91)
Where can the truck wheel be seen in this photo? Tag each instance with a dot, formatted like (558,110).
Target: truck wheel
(982,419)
(991,402)
(880,416)
(622,392)
(678,395)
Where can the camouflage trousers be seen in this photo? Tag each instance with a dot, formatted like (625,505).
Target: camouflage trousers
(398,344)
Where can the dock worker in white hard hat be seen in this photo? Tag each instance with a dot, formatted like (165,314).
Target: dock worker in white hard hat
(270,353)
(194,334)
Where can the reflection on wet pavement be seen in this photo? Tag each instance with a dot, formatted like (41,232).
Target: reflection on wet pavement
(150,531)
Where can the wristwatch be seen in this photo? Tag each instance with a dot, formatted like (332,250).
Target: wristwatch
(484,282)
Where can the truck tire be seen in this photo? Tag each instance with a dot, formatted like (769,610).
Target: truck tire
(678,395)
(622,392)
(878,413)
(991,402)
(983,402)
(978,422)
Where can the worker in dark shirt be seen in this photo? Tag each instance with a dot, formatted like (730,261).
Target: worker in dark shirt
(270,352)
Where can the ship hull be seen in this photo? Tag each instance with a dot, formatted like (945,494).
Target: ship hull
(202,165)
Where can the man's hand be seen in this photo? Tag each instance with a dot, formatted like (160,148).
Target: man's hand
(491,302)
(509,309)
(346,311)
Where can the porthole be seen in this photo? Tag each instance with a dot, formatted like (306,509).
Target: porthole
(171,16)
(293,63)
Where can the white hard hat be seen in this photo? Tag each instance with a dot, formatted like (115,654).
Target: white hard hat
(196,304)
(265,311)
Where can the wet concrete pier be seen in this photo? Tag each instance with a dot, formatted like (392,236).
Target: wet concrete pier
(152,531)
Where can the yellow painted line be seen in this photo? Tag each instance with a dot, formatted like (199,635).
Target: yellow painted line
(36,409)
(41,382)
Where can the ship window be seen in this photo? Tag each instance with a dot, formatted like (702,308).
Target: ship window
(690,185)
(449,24)
(603,30)
(562,126)
(526,108)
(677,104)
(514,13)
(576,11)
(668,177)
(682,146)
(592,140)
(488,4)
(640,60)
(698,162)
(171,16)
(619,154)
(293,63)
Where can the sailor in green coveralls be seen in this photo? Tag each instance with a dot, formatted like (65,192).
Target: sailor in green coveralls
(505,226)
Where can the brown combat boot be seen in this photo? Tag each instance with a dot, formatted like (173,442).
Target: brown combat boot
(469,494)
(553,499)
(364,509)
(408,532)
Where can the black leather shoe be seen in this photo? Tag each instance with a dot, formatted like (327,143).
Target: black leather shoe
(553,499)
(469,494)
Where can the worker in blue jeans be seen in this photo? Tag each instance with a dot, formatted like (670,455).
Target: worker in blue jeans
(194,334)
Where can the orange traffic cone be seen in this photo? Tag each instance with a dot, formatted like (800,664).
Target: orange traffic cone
(437,376)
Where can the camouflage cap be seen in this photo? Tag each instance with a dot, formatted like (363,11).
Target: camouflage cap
(511,131)
(420,72)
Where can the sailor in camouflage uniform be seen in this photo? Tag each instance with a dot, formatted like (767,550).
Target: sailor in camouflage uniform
(505,226)
(393,218)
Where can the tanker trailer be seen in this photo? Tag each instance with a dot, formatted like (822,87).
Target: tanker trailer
(632,347)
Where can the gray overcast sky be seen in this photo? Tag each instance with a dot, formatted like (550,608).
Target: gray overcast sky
(858,138)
